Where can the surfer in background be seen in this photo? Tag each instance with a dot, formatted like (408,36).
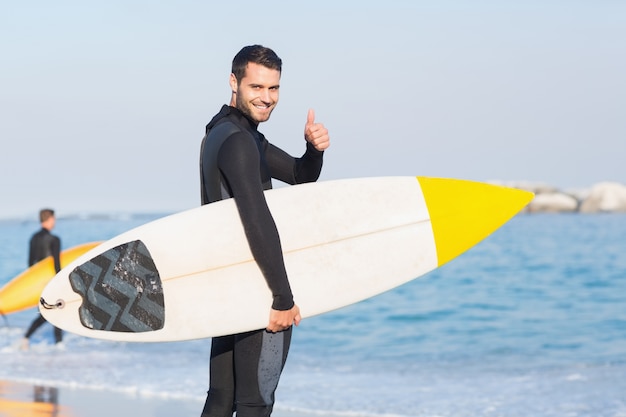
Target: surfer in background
(237,161)
(44,244)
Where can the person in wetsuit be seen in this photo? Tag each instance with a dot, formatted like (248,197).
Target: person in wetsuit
(44,244)
(237,161)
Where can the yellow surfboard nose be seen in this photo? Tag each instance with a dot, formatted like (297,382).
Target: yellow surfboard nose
(463,213)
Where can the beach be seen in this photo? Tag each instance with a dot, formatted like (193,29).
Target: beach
(25,400)
(21,399)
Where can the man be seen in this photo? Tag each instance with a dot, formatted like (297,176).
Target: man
(44,244)
(237,161)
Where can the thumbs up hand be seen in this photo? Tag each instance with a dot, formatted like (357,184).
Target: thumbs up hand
(315,133)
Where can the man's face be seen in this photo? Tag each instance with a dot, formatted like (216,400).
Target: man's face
(257,93)
(49,223)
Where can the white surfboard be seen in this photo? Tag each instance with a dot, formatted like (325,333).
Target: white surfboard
(191,275)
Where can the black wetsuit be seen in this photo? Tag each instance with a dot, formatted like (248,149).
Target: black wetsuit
(237,161)
(44,244)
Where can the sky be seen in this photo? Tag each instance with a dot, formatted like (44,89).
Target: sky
(103,104)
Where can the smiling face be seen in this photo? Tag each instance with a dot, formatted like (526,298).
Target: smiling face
(256,94)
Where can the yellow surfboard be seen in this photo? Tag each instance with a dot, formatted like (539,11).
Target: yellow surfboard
(24,290)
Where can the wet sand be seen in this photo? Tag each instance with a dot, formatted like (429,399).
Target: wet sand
(25,400)
(19,399)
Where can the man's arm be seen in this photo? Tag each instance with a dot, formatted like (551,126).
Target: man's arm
(308,167)
(238,160)
(55,249)
(292,170)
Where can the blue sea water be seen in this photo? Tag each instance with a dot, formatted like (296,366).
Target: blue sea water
(531,322)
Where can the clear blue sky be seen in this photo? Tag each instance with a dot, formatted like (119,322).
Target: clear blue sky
(103,103)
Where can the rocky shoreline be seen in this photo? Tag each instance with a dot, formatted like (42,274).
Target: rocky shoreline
(603,197)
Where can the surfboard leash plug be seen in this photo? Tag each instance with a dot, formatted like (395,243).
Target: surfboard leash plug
(58,304)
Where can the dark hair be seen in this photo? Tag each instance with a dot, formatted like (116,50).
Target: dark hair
(257,54)
(45,214)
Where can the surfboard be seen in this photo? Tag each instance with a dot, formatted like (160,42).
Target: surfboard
(24,290)
(191,275)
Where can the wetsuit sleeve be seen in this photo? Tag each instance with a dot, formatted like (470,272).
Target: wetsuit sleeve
(292,170)
(55,249)
(238,160)
(32,252)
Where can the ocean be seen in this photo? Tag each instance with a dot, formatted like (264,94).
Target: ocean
(529,323)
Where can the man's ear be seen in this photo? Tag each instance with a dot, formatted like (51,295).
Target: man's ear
(233,83)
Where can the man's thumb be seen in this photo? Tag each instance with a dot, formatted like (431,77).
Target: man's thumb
(310,118)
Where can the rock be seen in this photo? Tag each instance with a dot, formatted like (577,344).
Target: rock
(579,194)
(605,197)
(553,202)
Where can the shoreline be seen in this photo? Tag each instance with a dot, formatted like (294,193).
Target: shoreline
(43,400)
(24,399)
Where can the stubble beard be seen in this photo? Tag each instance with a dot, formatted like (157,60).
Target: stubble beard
(248,110)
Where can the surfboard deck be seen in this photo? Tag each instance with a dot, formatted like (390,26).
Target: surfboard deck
(23,291)
(191,275)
